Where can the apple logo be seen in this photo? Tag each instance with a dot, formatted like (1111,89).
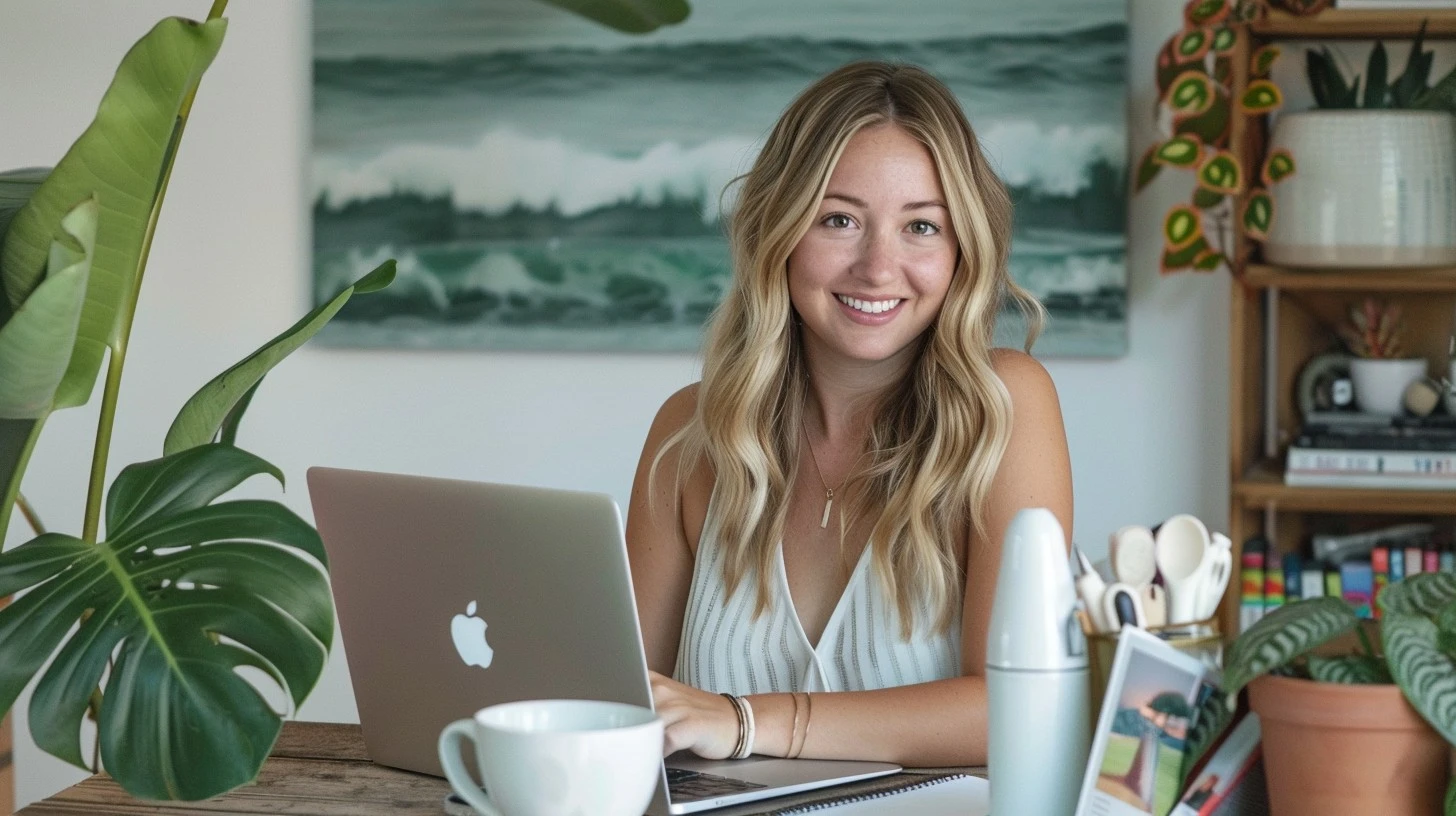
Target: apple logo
(468,632)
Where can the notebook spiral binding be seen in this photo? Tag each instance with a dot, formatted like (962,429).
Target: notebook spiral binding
(865,797)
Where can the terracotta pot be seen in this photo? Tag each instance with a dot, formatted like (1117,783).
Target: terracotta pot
(1333,750)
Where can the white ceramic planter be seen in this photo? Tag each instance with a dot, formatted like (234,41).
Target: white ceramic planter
(1370,188)
(1380,384)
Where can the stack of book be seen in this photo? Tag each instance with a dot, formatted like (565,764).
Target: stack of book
(1370,451)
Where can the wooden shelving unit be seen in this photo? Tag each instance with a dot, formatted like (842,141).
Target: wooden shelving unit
(1280,317)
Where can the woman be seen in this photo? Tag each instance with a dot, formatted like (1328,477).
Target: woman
(824,512)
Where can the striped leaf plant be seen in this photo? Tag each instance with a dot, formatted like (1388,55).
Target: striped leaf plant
(1418,654)
(141,624)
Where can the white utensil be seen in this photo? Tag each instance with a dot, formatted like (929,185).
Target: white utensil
(1215,581)
(1155,605)
(1181,552)
(1131,549)
(1123,605)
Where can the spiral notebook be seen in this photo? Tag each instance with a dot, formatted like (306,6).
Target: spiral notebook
(918,793)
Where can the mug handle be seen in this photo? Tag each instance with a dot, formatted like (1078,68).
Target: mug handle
(454,766)
(1216,580)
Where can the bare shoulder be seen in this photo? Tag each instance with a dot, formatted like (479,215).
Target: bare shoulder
(688,491)
(1025,378)
(676,412)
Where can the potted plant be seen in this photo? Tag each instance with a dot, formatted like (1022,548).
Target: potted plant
(1348,209)
(142,619)
(1380,371)
(1360,733)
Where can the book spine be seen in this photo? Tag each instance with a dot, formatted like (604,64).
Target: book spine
(1312,583)
(1273,585)
(1411,463)
(1444,443)
(1333,587)
(1373,481)
(1448,561)
(1380,574)
(1293,573)
(1251,579)
(1413,561)
(1357,586)
(1397,564)
(1430,560)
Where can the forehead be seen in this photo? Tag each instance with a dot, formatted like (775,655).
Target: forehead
(888,161)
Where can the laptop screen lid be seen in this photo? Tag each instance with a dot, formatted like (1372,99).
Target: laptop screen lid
(455,595)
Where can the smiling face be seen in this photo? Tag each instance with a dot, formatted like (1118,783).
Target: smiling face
(870,275)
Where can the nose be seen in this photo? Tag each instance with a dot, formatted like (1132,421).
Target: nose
(878,257)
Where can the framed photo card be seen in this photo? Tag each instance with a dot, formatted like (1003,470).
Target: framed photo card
(1137,751)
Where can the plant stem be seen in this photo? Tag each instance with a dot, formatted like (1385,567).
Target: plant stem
(1364,640)
(96,489)
(29,512)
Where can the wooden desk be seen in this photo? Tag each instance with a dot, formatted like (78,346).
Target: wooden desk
(318,768)
(314,768)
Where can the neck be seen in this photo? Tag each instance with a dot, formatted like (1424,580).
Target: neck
(842,395)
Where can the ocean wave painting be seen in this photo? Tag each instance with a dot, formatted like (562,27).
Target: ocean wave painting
(549,184)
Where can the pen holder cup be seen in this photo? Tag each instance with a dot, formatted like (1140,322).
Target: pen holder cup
(1201,639)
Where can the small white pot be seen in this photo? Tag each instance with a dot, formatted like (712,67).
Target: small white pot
(1380,384)
(1370,188)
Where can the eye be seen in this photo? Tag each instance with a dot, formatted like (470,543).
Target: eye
(837,221)
(925,228)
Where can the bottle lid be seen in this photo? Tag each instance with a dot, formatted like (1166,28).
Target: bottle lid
(1034,623)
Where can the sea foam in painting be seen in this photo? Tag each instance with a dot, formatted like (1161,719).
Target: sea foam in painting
(548,184)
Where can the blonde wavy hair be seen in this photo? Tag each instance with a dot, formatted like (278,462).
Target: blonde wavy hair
(935,442)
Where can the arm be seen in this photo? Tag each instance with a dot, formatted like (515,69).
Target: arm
(941,723)
(657,544)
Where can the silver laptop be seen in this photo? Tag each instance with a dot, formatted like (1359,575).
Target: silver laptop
(456,595)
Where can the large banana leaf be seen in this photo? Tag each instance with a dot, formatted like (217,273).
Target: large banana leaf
(35,348)
(184,592)
(121,159)
(220,402)
(632,16)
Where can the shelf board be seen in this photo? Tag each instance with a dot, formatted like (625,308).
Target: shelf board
(1358,24)
(1263,485)
(1264,276)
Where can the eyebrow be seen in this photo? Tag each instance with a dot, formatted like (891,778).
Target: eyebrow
(914,205)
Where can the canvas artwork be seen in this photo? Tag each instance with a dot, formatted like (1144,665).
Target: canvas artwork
(548,184)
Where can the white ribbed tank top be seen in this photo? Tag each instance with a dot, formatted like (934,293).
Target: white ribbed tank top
(725,649)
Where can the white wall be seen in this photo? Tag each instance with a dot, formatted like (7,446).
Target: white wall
(230,266)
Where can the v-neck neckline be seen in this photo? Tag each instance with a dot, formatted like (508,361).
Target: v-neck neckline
(839,607)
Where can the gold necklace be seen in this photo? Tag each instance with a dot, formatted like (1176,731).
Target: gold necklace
(828,491)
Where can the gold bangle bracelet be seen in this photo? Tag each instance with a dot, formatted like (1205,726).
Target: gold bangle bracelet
(794,730)
(808,720)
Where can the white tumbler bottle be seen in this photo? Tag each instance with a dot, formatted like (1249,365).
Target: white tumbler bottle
(1036,674)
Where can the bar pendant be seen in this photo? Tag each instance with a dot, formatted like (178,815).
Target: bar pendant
(824,522)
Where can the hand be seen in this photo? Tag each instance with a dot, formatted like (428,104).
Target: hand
(699,721)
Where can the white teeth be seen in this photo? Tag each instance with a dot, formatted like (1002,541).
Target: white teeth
(869,306)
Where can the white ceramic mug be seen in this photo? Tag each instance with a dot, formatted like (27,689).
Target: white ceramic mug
(557,758)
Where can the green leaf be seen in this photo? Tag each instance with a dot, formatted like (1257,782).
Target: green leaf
(1147,170)
(1278,165)
(205,413)
(1179,151)
(1222,173)
(1440,97)
(1291,631)
(1191,93)
(1349,670)
(1446,629)
(1209,261)
(1425,594)
(1375,72)
(1192,45)
(1258,214)
(631,16)
(1210,127)
(183,594)
(1175,259)
(1181,227)
(17,440)
(1204,12)
(1450,806)
(1262,96)
(1206,199)
(120,159)
(36,344)
(1209,722)
(16,188)
(1262,61)
(182,481)
(1224,39)
(1426,676)
(1320,69)
(1412,82)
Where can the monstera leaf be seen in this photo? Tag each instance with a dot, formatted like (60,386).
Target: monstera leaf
(184,592)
